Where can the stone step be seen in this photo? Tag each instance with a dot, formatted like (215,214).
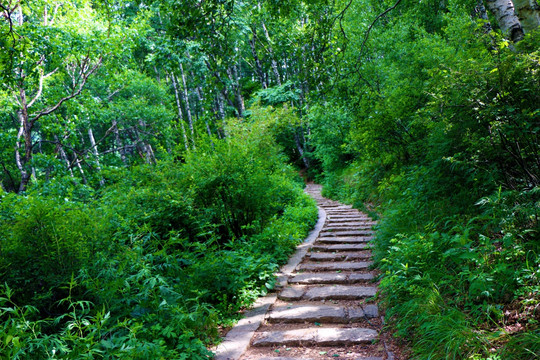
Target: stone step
(339,247)
(317,337)
(330,278)
(348,209)
(345,239)
(324,233)
(358,216)
(337,214)
(344,256)
(294,358)
(353,222)
(351,226)
(309,313)
(336,266)
(340,292)
(322,314)
(332,292)
(304,358)
(346,228)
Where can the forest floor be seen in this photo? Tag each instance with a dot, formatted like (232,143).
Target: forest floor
(327,305)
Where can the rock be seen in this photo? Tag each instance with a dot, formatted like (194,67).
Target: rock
(334,216)
(317,337)
(346,233)
(343,266)
(340,256)
(345,239)
(340,292)
(308,313)
(339,247)
(328,256)
(353,278)
(319,278)
(278,358)
(348,336)
(367,311)
(347,227)
(288,337)
(343,224)
(292,293)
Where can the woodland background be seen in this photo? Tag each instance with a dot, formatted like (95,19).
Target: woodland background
(150,155)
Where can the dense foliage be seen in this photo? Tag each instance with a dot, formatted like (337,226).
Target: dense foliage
(145,194)
(152,263)
(436,132)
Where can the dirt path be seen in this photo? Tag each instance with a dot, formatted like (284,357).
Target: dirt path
(325,308)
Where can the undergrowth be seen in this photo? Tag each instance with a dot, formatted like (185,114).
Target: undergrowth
(151,265)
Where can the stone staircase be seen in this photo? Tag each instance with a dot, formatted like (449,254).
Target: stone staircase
(325,307)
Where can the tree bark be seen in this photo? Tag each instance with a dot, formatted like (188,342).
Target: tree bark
(258,66)
(301,150)
(63,155)
(528,13)
(96,153)
(180,113)
(238,91)
(481,12)
(507,18)
(118,142)
(221,110)
(188,107)
(271,53)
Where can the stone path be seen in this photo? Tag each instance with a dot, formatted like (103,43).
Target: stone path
(325,308)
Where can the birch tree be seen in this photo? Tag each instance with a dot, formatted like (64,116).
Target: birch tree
(505,14)
(49,65)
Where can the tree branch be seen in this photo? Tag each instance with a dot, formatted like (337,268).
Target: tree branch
(84,78)
(373,24)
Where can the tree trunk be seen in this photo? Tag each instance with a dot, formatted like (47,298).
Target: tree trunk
(96,154)
(481,13)
(238,92)
(506,17)
(200,98)
(78,164)
(188,107)
(271,53)
(147,148)
(22,161)
(63,155)
(301,150)
(258,66)
(180,113)
(118,142)
(529,14)
(221,110)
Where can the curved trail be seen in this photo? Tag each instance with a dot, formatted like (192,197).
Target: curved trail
(325,309)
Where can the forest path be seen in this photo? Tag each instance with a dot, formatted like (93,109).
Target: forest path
(325,308)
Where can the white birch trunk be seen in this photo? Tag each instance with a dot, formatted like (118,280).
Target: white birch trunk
(506,17)
(258,66)
(119,143)
(63,155)
(188,107)
(180,113)
(96,153)
(271,52)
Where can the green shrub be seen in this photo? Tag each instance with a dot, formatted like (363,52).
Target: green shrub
(44,242)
